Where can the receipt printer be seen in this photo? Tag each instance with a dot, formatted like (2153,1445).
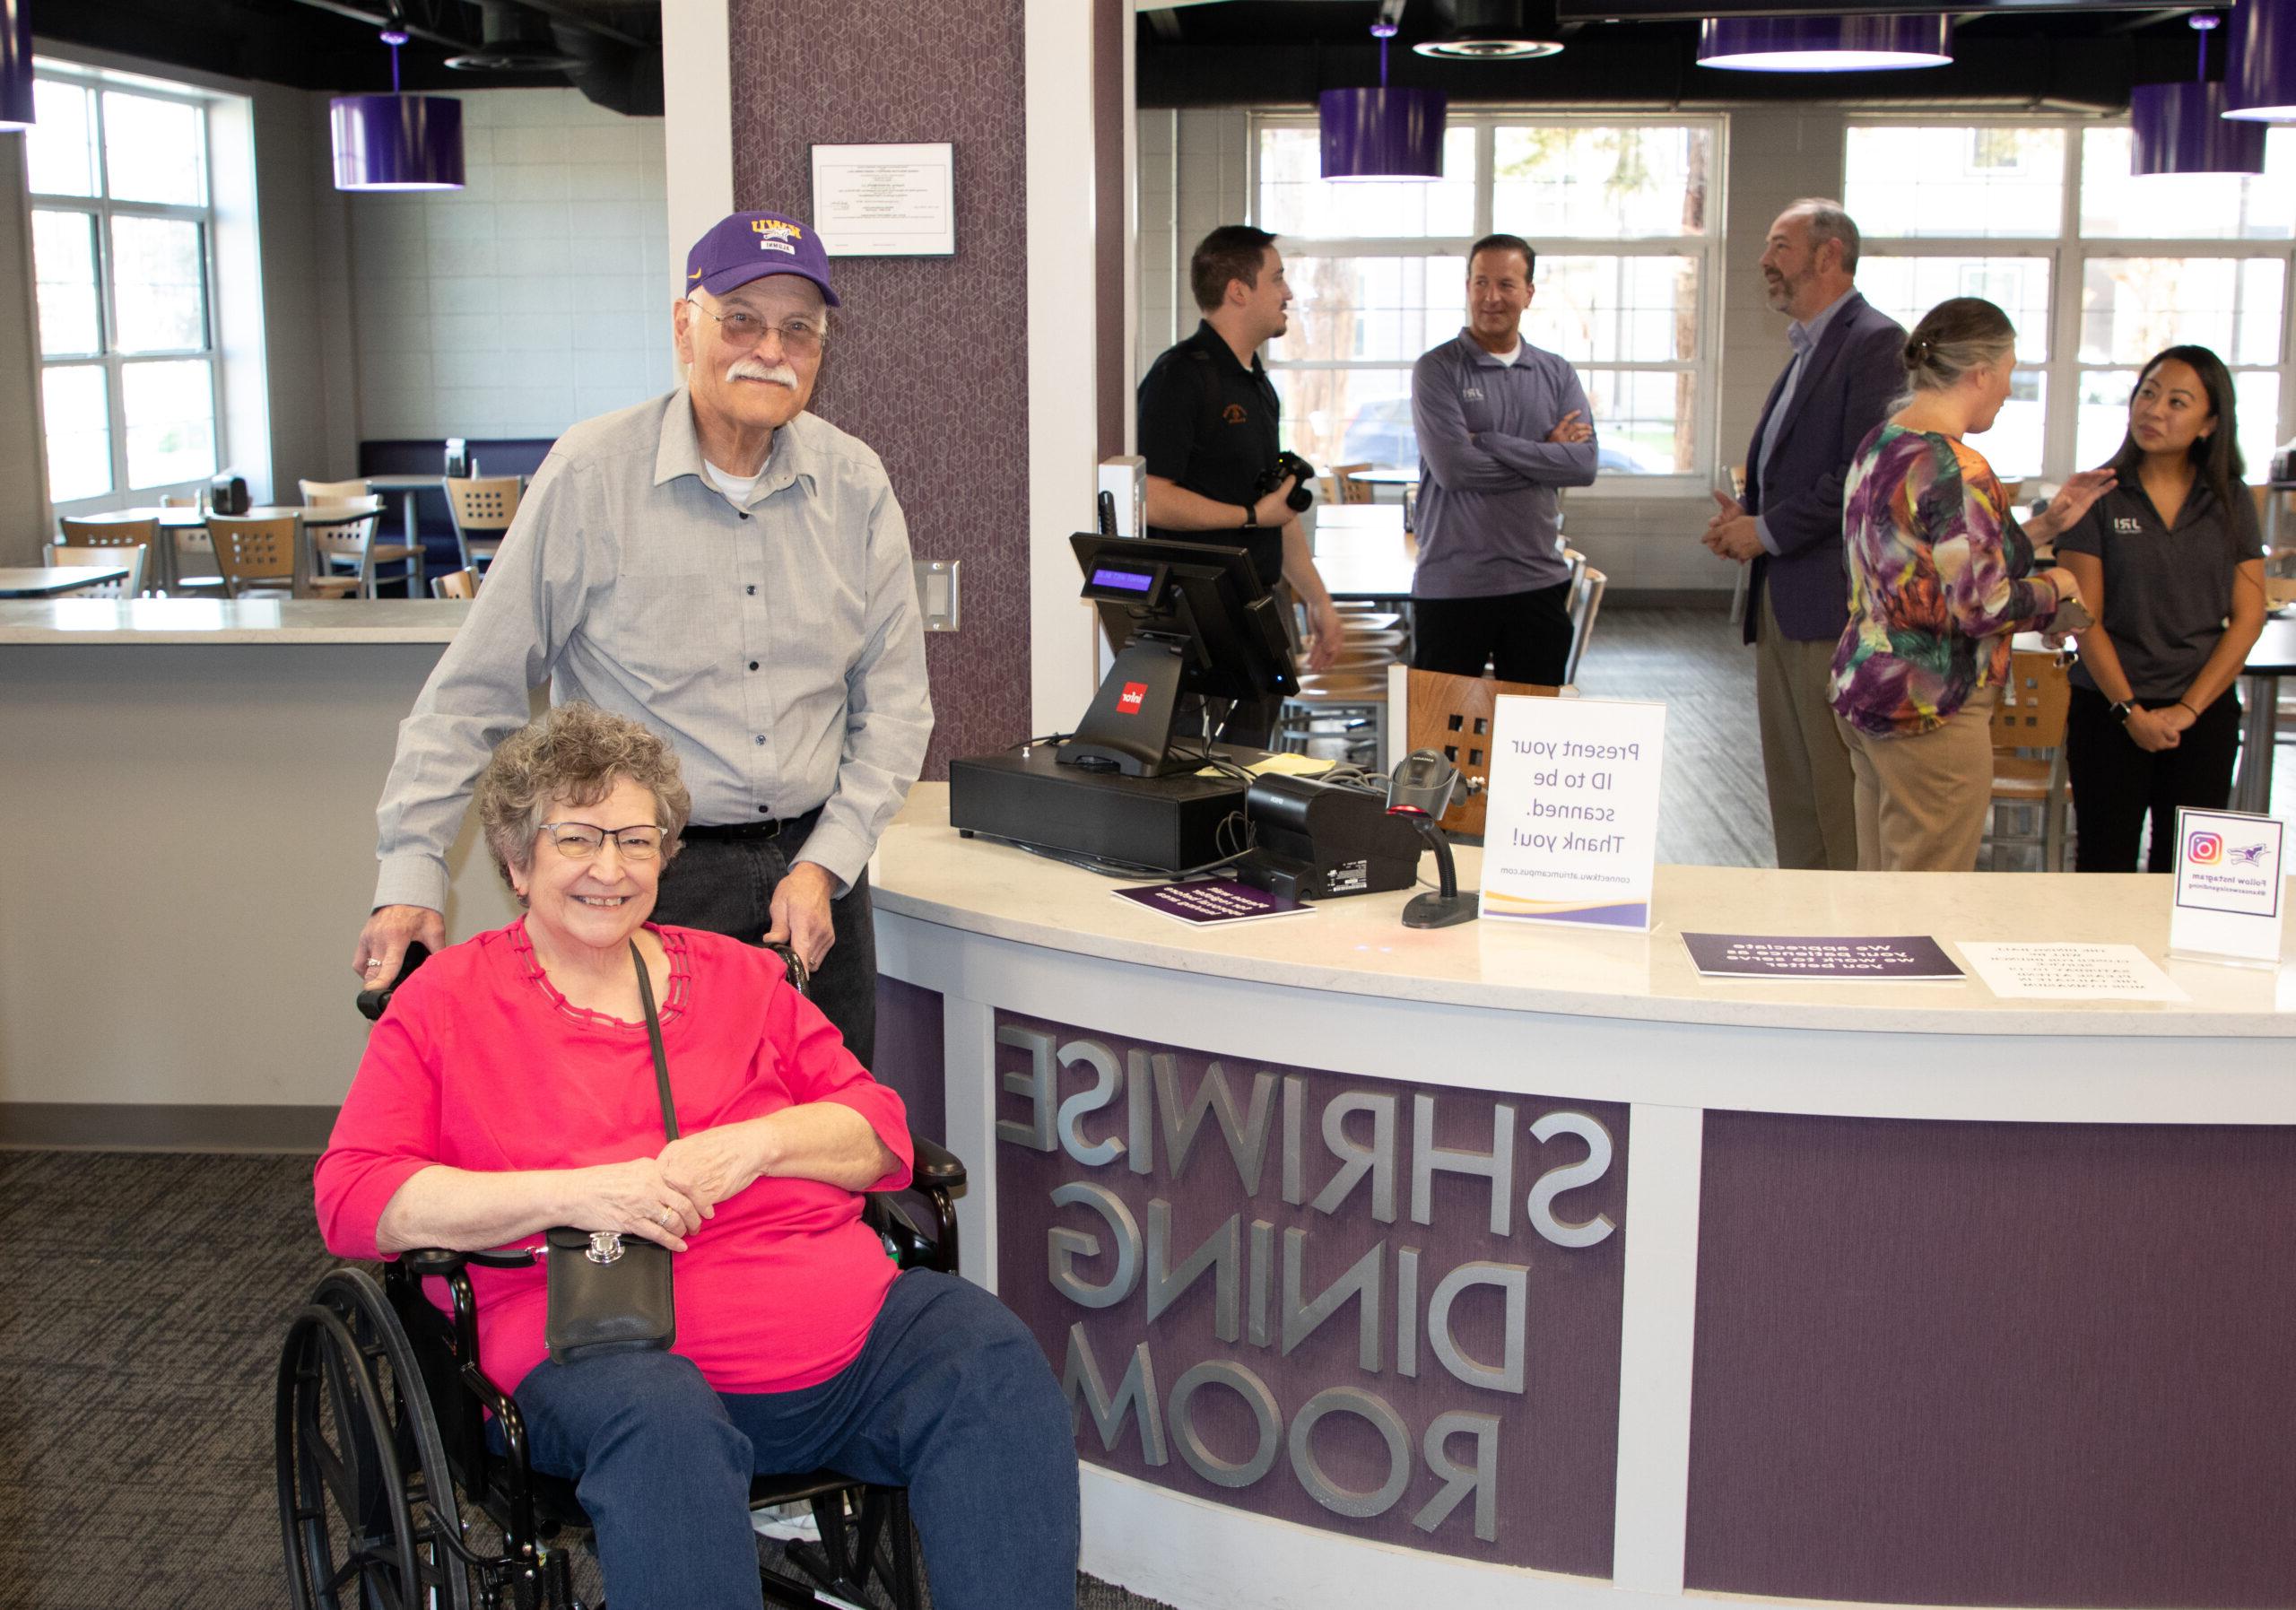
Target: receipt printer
(1312,840)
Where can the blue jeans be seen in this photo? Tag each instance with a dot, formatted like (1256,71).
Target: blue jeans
(950,1396)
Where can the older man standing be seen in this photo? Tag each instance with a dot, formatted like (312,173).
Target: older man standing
(733,571)
(1848,363)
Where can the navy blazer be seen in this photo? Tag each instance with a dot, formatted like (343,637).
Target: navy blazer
(1856,370)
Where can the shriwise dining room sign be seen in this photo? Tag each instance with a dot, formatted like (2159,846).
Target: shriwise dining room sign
(1388,1307)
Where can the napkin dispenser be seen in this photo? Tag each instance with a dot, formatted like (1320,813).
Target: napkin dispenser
(228,494)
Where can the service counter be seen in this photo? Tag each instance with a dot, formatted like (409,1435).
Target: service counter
(1512,1266)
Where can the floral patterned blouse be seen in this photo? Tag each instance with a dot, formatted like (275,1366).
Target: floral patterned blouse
(1937,583)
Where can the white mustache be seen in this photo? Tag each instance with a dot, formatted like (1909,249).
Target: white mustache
(753,369)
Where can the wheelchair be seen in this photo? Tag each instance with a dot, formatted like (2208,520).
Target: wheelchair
(392,1494)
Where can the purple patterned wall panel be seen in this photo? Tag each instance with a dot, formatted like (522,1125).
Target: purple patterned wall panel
(1482,1298)
(1995,1363)
(910,1044)
(930,365)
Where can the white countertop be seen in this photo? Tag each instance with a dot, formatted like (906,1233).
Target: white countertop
(147,621)
(1358,945)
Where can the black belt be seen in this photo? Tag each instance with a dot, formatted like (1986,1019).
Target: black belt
(736,833)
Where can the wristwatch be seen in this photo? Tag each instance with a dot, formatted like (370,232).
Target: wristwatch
(2123,708)
(1251,517)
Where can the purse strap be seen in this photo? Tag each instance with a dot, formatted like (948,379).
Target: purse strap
(654,1035)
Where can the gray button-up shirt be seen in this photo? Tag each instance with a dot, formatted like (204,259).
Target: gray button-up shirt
(1489,507)
(777,646)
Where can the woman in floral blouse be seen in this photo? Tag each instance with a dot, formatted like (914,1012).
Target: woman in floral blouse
(1941,575)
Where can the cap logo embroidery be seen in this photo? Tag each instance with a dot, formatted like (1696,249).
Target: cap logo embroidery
(777,234)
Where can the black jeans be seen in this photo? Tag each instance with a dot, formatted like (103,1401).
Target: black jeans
(2116,785)
(727,888)
(1524,636)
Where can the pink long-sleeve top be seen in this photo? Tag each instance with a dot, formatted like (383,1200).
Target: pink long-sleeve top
(481,1065)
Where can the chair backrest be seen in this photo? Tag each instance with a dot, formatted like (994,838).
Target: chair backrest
(332,492)
(129,587)
(253,550)
(1585,604)
(1351,490)
(2029,713)
(482,504)
(1451,715)
(109,534)
(455,584)
(347,541)
(178,500)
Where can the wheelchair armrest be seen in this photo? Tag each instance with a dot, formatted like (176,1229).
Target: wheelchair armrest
(428,1263)
(937,1166)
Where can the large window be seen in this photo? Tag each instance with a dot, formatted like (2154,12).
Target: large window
(122,238)
(1619,213)
(2099,270)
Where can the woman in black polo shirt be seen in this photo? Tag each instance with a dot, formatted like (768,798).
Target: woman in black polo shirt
(2172,564)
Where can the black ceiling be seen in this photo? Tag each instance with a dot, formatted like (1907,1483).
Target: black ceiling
(1276,52)
(333,45)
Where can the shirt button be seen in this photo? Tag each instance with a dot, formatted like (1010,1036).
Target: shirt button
(743,512)
(761,738)
(765,810)
(752,665)
(751,591)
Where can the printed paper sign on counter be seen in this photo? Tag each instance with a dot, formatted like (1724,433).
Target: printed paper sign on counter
(2068,973)
(1572,827)
(2228,886)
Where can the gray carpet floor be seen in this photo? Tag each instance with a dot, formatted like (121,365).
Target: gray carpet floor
(142,1299)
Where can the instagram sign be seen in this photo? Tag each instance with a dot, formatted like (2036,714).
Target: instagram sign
(2204,848)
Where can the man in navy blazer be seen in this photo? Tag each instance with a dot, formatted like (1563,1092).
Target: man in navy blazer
(1848,364)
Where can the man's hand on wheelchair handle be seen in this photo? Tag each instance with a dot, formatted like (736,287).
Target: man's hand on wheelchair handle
(383,942)
(801,915)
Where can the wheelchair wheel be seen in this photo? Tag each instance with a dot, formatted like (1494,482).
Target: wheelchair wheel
(367,1508)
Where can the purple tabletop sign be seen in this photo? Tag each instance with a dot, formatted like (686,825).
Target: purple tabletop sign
(1898,956)
(1211,901)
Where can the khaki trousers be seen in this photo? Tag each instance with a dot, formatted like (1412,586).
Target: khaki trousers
(1811,813)
(1922,801)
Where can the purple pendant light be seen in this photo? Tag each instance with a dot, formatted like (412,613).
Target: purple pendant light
(397,142)
(1383,132)
(2260,82)
(15,64)
(1851,44)
(2177,128)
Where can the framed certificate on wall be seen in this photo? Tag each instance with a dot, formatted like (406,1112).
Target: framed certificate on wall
(886,201)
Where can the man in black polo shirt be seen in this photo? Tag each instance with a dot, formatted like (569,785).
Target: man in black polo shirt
(1208,417)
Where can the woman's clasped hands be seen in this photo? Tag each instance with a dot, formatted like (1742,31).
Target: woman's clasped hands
(664,1199)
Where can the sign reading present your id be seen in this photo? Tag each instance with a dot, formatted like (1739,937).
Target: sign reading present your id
(2228,886)
(1572,831)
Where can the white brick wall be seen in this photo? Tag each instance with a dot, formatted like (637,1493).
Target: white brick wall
(531,297)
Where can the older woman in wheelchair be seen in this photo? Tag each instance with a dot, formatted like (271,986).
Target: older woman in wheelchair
(515,1088)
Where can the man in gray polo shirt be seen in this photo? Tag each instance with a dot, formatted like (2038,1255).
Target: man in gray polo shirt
(733,571)
(1502,428)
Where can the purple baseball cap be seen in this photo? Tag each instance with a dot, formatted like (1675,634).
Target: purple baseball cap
(750,245)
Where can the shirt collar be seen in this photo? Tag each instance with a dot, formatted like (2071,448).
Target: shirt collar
(680,453)
(1472,348)
(1212,342)
(1805,333)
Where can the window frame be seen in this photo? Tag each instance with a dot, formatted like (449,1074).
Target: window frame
(2068,253)
(101,209)
(1704,249)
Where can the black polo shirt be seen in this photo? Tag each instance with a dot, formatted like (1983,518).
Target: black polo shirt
(2167,591)
(1209,424)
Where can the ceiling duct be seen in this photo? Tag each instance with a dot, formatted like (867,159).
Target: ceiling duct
(512,40)
(622,78)
(1493,31)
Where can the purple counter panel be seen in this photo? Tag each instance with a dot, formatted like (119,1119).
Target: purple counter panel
(1988,1363)
(909,1040)
(1281,1290)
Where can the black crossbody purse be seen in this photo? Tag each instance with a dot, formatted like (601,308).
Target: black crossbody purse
(609,1292)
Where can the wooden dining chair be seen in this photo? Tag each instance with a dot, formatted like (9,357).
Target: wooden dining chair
(455,584)
(2029,718)
(254,556)
(1452,714)
(1345,487)
(407,556)
(130,554)
(482,511)
(334,491)
(111,535)
(344,553)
